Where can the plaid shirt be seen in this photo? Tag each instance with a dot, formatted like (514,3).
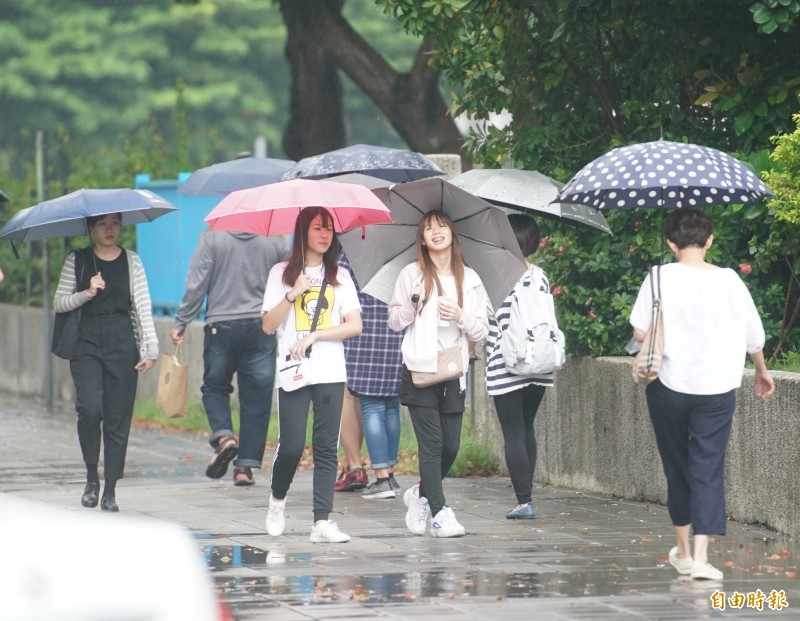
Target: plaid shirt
(373,358)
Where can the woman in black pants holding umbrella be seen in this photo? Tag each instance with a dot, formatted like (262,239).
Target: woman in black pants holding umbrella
(116,339)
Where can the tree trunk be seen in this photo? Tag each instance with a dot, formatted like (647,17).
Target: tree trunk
(317,116)
(412,101)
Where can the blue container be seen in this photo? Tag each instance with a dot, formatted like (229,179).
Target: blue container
(166,245)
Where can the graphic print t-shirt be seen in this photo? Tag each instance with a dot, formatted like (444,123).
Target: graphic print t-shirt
(327,357)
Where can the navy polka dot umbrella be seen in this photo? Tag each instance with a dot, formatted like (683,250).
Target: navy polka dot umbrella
(663,174)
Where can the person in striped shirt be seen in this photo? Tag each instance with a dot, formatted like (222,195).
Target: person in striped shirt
(517,397)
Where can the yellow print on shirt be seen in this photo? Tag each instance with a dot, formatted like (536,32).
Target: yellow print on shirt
(305,306)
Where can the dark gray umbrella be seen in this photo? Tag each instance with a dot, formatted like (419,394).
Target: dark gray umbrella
(395,165)
(663,174)
(527,191)
(380,251)
(238,174)
(4,197)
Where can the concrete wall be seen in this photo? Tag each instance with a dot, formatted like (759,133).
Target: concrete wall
(593,428)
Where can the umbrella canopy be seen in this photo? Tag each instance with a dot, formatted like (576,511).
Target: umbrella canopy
(239,174)
(4,197)
(273,209)
(663,174)
(395,165)
(487,240)
(527,191)
(368,181)
(66,215)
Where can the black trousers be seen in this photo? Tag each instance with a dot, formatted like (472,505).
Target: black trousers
(293,419)
(437,413)
(516,411)
(105,388)
(692,434)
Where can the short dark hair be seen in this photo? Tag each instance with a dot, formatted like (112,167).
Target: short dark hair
(92,220)
(687,228)
(526,231)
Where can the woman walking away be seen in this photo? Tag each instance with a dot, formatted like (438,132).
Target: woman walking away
(116,339)
(710,323)
(441,303)
(517,397)
(310,284)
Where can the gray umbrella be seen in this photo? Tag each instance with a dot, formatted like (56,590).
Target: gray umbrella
(359,179)
(528,191)
(380,251)
(66,215)
(395,165)
(238,174)
(4,197)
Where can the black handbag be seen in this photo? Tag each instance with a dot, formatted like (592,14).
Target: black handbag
(66,325)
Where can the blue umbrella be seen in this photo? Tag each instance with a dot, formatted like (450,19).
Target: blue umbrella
(663,174)
(395,165)
(238,174)
(66,215)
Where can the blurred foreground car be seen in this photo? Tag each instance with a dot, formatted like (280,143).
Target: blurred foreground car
(62,565)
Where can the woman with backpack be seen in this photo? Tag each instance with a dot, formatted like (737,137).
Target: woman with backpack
(517,396)
(441,304)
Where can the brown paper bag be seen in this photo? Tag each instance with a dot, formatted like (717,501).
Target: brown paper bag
(173,384)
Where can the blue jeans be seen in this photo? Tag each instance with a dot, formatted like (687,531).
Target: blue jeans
(381,429)
(239,347)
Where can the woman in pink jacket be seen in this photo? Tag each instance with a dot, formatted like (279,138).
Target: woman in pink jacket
(441,303)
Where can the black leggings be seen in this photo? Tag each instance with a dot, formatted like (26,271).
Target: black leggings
(516,411)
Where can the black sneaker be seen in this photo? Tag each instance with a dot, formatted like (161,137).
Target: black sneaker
(393,482)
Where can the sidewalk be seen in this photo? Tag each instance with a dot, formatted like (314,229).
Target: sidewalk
(584,557)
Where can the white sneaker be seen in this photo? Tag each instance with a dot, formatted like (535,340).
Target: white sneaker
(325,531)
(418,511)
(682,565)
(705,571)
(445,524)
(276,521)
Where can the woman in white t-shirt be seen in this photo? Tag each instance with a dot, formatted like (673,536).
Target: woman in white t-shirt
(440,303)
(710,324)
(294,292)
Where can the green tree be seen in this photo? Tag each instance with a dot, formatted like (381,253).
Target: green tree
(580,77)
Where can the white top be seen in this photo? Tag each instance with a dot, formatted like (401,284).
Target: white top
(710,324)
(327,357)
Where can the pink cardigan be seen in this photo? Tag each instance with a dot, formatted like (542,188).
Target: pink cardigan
(420,343)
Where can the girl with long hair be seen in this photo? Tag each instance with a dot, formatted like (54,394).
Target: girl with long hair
(440,303)
(308,284)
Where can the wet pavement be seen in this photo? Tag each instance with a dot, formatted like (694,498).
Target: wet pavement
(585,556)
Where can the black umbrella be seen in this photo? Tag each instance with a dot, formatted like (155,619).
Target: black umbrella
(395,165)
(663,174)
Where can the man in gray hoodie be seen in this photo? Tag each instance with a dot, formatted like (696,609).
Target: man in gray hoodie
(230,269)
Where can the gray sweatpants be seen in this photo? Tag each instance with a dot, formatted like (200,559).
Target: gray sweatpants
(293,419)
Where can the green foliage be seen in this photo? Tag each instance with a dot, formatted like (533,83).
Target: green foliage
(784,180)
(580,77)
(771,15)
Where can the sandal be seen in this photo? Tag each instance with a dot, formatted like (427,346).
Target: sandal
(226,450)
(243,475)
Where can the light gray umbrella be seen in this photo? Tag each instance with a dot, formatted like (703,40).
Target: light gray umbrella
(528,191)
(395,165)
(238,174)
(360,179)
(378,252)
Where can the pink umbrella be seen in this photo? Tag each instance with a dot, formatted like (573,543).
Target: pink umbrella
(272,209)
